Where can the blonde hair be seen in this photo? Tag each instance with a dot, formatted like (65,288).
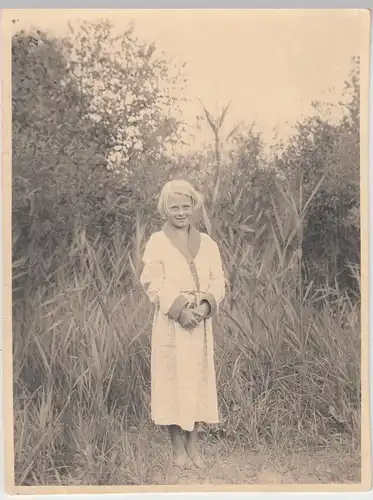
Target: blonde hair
(178,187)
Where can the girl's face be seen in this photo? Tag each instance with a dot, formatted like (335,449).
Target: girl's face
(180,210)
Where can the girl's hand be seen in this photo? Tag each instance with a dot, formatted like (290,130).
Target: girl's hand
(203,310)
(188,319)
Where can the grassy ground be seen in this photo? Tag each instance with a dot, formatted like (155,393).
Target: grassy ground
(135,458)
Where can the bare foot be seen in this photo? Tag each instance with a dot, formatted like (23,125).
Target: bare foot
(194,456)
(177,446)
(180,458)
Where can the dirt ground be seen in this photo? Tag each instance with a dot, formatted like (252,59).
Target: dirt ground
(263,466)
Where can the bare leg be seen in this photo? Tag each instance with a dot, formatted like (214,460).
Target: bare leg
(177,445)
(192,449)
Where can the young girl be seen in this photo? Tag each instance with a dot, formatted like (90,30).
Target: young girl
(183,277)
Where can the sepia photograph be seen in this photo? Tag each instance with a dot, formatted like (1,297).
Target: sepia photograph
(187,213)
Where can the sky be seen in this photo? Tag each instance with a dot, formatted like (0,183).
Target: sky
(269,64)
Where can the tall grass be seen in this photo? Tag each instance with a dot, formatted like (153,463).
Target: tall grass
(287,359)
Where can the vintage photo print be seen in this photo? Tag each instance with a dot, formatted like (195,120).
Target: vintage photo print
(185,200)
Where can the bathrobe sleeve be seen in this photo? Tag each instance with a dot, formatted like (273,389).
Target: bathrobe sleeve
(153,280)
(216,289)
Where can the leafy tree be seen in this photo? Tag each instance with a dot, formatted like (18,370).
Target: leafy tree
(133,95)
(92,128)
(323,149)
(54,158)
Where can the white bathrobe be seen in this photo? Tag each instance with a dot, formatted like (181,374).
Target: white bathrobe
(183,381)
